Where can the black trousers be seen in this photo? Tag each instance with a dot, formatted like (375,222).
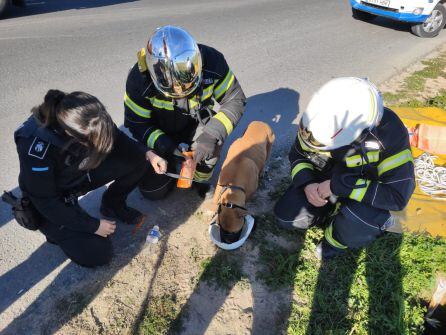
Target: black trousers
(125,165)
(155,186)
(353,225)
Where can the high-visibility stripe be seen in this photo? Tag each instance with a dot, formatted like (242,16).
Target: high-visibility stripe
(202,176)
(163,104)
(224,85)
(358,160)
(207,92)
(220,116)
(395,161)
(300,167)
(358,193)
(193,102)
(307,148)
(146,113)
(330,239)
(151,140)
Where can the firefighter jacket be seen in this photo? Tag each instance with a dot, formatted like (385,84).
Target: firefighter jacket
(378,171)
(155,120)
(49,174)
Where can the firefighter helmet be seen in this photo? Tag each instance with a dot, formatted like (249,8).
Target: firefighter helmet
(339,112)
(174,61)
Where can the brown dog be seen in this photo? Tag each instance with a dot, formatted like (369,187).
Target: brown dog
(239,178)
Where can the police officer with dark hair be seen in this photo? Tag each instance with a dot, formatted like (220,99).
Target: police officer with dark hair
(169,100)
(68,147)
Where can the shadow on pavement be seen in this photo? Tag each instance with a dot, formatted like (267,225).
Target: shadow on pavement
(34,7)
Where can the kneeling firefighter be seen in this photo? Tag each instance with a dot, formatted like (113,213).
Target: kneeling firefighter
(169,102)
(68,147)
(350,165)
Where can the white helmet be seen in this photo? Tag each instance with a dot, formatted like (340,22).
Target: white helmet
(339,112)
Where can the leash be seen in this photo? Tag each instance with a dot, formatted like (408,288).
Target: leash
(177,176)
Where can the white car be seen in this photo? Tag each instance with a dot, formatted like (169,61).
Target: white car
(427,17)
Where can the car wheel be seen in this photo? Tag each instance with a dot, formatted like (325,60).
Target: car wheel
(363,16)
(433,24)
(4,4)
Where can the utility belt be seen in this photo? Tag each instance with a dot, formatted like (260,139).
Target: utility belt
(23,211)
(26,214)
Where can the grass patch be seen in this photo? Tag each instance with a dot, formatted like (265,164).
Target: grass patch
(380,290)
(161,316)
(266,225)
(415,83)
(73,304)
(223,270)
(438,101)
(434,68)
(195,254)
(280,189)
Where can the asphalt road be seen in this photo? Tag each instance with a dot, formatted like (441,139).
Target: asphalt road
(280,50)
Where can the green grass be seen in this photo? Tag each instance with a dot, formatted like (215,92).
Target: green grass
(434,68)
(414,83)
(161,316)
(223,270)
(380,290)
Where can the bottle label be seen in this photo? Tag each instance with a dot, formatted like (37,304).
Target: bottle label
(154,233)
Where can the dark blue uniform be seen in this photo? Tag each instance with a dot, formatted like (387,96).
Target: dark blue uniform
(161,123)
(370,179)
(50,177)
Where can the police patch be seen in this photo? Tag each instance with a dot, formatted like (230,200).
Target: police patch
(208,81)
(38,148)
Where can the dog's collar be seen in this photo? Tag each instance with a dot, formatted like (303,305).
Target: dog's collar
(231,205)
(224,188)
(232,187)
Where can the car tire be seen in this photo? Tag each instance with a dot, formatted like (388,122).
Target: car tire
(433,25)
(4,4)
(363,16)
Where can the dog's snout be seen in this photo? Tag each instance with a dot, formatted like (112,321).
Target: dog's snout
(228,237)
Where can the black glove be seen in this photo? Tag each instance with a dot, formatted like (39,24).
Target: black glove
(165,146)
(205,147)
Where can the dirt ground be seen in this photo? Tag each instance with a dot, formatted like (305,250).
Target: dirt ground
(171,270)
(165,287)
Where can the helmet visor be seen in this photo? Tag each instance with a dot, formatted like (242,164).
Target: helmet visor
(308,138)
(176,77)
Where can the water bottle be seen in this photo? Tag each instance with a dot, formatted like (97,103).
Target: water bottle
(153,236)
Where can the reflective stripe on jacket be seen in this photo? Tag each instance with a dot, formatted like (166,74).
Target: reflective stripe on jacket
(379,171)
(153,118)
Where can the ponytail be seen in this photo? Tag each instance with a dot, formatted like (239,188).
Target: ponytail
(84,118)
(46,113)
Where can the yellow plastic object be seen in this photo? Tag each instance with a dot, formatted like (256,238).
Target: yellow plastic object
(423,214)
(187,170)
(142,64)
